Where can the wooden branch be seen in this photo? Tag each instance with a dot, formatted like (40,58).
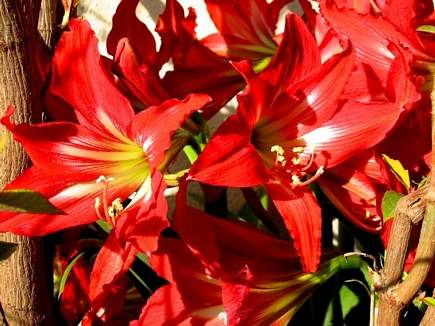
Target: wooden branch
(409,211)
(24,296)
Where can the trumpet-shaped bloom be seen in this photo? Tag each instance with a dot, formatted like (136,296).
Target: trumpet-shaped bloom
(228,273)
(89,168)
(290,125)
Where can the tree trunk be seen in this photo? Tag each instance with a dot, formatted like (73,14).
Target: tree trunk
(48,23)
(24,296)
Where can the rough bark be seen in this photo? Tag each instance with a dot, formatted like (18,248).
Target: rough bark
(24,296)
(48,23)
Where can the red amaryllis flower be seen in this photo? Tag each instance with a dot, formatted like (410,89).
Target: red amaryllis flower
(83,168)
(396,22)
(246,31)
(290,125)
(373,58)
(228,273)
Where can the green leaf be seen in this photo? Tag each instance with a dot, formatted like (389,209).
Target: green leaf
(401,173)
(7,249)
(190,153)
(68,270)
(429,301)
(105,226)
(143,258)
(426,29)
(389,202)
(26,201)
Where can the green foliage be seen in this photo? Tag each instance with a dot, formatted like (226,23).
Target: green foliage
(389,202)
(67,271)
(26,201)
(426,29)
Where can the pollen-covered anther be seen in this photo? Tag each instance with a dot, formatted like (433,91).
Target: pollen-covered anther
(368,214)
(296,181)
(280,158)
(298,149)
(296,160)
(115,208)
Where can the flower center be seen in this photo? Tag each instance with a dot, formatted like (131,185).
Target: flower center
(288,165)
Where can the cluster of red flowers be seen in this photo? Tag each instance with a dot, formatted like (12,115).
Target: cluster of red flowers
(323,106)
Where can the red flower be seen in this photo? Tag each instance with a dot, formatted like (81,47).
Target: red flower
(245,32)
(290,125)
(106,157)
(228,273)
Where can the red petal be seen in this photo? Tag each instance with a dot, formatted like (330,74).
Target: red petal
(80,79)
(139,78)
(354,128)
(175,29)
(71,150)
(302,217)
(127,25)
(187,299)
(356,188)
(297,54)
(77,201)
(108,278)
(309,103)
(142,223)
(154,127)
(245,21)
(407,15)
(229,159)
(369,35)
(197,69)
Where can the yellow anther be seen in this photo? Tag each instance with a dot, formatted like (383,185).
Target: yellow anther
(115,208)
(296,160)
(277,149)
(295,180)
(368,214)
(298,149)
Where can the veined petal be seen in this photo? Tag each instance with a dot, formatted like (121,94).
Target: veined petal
(302,217)
(69,149)
(138,77)
(354,128)
(229,159)
(182,302)
(246,20)
(307,104)
(76,200)
(154,127)
(297,54)
(80,79)
(369,34)
(127,25)
(108,279)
